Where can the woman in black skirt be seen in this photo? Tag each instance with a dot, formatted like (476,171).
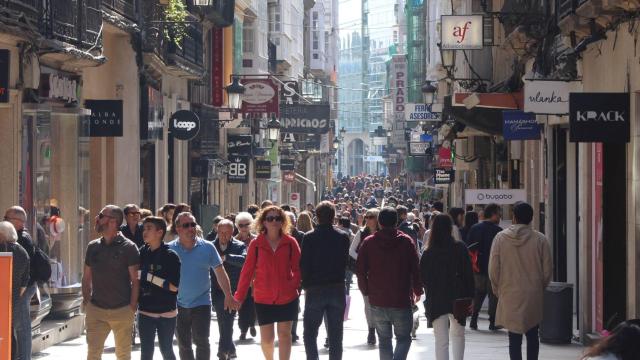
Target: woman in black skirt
(273,267)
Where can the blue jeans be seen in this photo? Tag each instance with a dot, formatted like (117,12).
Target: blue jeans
(225,324)
(23,325)
(192,327)
(401,320)
(329,301)
(147,327)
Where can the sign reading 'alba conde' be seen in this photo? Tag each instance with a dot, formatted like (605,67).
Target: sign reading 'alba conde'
(599,117)
(462,32)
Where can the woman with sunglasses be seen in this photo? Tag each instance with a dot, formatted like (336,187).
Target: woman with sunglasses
(273,264)
(371,226)
(247,313)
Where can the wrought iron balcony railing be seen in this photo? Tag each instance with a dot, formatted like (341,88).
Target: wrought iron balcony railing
(126,8)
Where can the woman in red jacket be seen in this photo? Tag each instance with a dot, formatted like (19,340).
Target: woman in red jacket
(273,264)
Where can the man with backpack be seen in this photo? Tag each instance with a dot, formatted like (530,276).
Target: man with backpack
(40,270)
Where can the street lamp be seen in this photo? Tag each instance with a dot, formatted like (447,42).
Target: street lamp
(336,143)
(235,90)
(448,58)
(429,92)
(273,130)
(342,132)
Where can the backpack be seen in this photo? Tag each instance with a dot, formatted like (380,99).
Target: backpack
(40,265)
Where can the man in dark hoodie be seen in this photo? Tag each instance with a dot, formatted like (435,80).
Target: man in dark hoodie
(389,274)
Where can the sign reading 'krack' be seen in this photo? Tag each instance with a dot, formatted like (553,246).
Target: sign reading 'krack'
(599,117)
(304,119)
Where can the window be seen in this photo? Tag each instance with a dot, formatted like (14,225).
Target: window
(274,17)
(247,37)
(315,56)
(315,40)
(326,42)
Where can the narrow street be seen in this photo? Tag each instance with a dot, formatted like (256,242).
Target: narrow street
(480,345)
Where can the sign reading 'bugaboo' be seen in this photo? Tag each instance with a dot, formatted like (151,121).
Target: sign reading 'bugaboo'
(599,117)
(496,196)
(184,125)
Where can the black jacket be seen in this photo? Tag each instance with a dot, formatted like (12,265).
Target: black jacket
(234,256)
(480,238)
(325,252)
(298,235)
(136,238)
(164,263)
(407,228)
(24,239)
(446,276)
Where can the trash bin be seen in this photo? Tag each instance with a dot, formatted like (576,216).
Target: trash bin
(557,318)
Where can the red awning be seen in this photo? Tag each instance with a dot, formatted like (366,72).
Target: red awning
(505,101)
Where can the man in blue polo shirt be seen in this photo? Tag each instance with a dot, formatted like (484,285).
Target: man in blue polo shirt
(194,298)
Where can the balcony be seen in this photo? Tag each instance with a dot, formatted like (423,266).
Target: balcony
(221,13)
(524,24)
(124,8)
(29,10)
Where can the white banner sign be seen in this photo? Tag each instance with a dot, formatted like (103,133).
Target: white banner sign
(399,85)
(418,148)
(462,32)
(379,141)
(546,97)
(496,196)
(423,112)
(374,158)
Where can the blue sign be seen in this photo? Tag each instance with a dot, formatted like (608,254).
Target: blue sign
(519,125)
(426,138)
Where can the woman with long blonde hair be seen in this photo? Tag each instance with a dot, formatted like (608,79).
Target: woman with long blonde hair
(305,223)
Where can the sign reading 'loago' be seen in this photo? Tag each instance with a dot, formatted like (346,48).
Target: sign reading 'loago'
(305,119)
(496,196)
(184,125)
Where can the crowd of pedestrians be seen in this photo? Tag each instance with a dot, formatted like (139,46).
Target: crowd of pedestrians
(165,273)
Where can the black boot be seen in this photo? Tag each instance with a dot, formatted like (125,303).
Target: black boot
(474,323)
(371,339)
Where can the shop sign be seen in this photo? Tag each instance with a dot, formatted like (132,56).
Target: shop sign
(423,112)
(289,176)
(444,176)
(519,125)
(106,118)
(294,200)
(260,97)
(239,144)
(263,169)
(301,141)
(289,92)
(377,141)
(398,85)
(155,115)
(287,164)
(496,196)
(462,32)
(546,97)
(418,148)
(305,119)
(184,125)
(238,169)
(4,75)
(599,117)
(444,157)
(217,79)
(59,86)
(373,158)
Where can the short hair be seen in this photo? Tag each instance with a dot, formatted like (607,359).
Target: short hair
(285,207)
(179,209)
(455,212)
(167,207)
(157,222)
(265,204)
(286,222)
(226,222)
(17,211)
(253,210)
(243,216)
(491,210)
(345,222)
(523,213)
(325,212)
(116,212)
(8,232)
(145,213)
(438,205)
(388,217)
(401,210)
(217,219)
(130,207)
(177,220)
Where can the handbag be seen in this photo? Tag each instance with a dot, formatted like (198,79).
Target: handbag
(462,308)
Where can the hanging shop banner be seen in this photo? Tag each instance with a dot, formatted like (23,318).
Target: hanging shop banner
(4,75)
(461,32)
(399,86)
(547,97)
(377,141)
(305,119)
(106,118)
(496,196)
(287,164)
(311,142)
(239,144)
(444,176)
(423,112)
(418,148)
(444,157)
(260,97)
(238,169)
(289,92)
(263,169)
(519,125)
(184,124)
(217,63)
(59,86)
(426,137)
(599,117)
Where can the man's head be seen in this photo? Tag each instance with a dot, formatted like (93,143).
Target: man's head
(325,213)
(16,216)
(108,220)
(253,210)
(438,206)
(522,213)
(7,233)
(310,207)
(153,229)
(225,231)
(388,217)
(185,226)
(216,221)
(265,204)
(402,212)
(457,215)
(132,214)
(492,213)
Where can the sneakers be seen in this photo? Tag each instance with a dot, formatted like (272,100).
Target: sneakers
(252,331)
(294,338)
(371,339)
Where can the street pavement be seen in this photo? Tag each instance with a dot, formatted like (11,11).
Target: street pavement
(480,345)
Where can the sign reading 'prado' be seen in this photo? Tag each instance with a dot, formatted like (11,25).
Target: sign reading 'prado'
(599,117)
(304,119)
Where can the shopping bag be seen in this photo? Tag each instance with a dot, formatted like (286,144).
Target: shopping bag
(347,304)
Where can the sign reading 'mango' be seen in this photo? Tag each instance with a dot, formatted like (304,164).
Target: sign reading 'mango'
(304,119)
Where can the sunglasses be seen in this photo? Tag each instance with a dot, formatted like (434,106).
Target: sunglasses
(243,225)
(101,215)
(273,218)
(188,225)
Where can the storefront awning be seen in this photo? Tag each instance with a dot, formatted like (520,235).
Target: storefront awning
(486,114)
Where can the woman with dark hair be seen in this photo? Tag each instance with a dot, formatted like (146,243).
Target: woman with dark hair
(622,344)
(470,219)
(448,283)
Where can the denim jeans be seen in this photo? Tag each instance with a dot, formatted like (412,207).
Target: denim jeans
(23,323)
(193,324)
(225,324)
(320,301)
(533,345)
(401,321)
(147,327)
(482,290)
